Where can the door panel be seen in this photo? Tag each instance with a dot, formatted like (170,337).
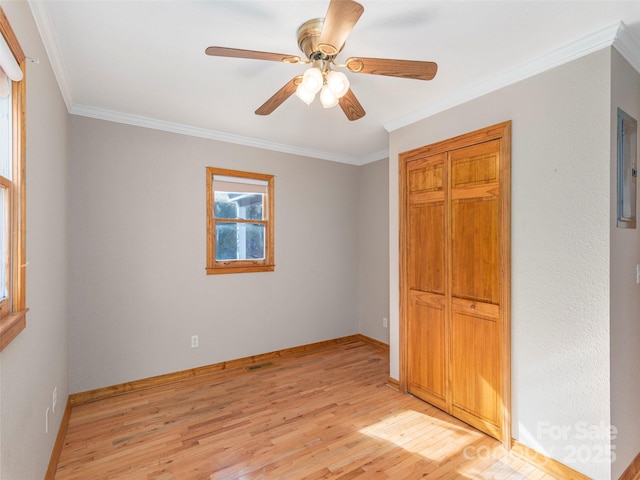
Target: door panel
(476,372)
(427,361)
(426,224)
(476,369)
(475,165)
(427,175)
(475,247)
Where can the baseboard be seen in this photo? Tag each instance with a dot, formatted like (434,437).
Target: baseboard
(372,341)
(557,469)
(113,390)
(633,470)
(544,463)
(393,383)
(59,443)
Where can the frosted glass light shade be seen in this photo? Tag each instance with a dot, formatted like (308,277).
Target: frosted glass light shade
(328,98)
(338,83)
(312,80)
(305,95)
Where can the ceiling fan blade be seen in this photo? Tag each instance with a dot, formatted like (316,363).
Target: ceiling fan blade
(393,68)
(342,16)
(351,106)
(253,54)
(280,96)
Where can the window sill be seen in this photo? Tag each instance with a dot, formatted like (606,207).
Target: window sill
(11,326)
(243,269)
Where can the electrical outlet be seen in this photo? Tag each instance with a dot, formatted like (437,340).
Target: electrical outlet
(385,322)
(46,421)
(194,341)
(54,400)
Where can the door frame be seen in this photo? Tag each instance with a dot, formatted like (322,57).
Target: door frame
(500,131)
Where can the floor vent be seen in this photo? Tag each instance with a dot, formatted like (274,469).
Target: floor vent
(251,368)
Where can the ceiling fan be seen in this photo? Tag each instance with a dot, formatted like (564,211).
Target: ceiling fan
(321,40)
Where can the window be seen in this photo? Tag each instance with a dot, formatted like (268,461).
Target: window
(239,221)
(12,185)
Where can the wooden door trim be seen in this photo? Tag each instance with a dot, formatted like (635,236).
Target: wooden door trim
(505,277)
(502,132)
(494,132)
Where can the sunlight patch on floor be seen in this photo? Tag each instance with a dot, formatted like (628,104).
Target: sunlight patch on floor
(417,433)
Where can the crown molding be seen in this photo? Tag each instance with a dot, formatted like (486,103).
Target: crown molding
(589,44)
(628,46)
(51,45)
(374,157)
(182,129)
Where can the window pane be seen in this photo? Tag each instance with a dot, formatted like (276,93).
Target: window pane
(5,171)
(4,240)
(5,136)
(235,205)
(239,241)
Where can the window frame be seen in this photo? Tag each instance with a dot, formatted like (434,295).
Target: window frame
(13,308)
(215,267)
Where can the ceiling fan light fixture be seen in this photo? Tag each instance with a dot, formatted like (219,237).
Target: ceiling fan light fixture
(305,95)
(328,98)
(338,83)
(321,40)
(312,80)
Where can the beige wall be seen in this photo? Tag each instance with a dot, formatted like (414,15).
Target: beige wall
(625,292)
(137,216)
(373,248)
(560,249)
(36,361)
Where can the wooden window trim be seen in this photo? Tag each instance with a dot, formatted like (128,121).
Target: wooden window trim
(11,326)
(215,267)
(14,319)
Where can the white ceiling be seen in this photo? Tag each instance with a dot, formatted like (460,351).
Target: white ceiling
(143,62)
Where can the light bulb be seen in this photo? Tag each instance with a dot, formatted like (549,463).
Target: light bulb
(328,98)
(312,80)
(338,83)
(305,95)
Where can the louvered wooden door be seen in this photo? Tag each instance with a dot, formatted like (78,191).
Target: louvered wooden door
(455,285)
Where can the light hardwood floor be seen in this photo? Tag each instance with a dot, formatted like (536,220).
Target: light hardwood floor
(327,413)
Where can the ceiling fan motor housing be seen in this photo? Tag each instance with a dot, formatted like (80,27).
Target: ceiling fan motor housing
(308,35)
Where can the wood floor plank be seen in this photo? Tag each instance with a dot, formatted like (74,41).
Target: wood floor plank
(326,413)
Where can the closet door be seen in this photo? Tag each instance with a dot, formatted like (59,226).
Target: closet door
(427,362)
(476,330)
(454,277)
